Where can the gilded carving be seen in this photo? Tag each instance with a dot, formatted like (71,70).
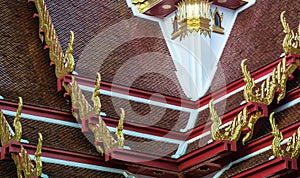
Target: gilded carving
(291,40)
(234,130)
(17,124)
(189,20)
(5,133)
(63,63)
(293,145)
(25,168)
(104,140)
(96,95)
(119,129)
(275,83)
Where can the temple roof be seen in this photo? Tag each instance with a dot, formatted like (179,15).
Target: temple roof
(129,51)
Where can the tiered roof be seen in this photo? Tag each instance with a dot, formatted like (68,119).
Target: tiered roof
(26,73)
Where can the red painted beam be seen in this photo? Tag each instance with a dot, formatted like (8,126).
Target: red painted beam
(269,168)
(217,148)
(15,147)
(214,149)
(179,101)
(37,111)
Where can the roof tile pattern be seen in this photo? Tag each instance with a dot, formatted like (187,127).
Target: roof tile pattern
(9,167)
(62,171)
(258,39)
(126,50)
(24,65)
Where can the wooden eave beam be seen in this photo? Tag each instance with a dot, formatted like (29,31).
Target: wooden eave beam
(269,168)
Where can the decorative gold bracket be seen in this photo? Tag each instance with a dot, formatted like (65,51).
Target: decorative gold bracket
(293,145)
(274,84)
(86,114)
(23,162)
(64,64)
(243,122)
(290,42)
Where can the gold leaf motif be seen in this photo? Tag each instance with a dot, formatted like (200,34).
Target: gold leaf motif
(119,129)
(25,168)
(64,64)
(17,124)
(293,145)
(274,83)
(235,129)
(290,42)
(193,17)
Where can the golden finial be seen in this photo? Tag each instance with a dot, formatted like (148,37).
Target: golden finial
(119,129)
(17,124)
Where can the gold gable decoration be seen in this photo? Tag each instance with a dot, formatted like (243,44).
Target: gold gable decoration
(233,132)
(292,149)
(273,86)
(64,63)
(100,130)
(25,168)
(276,83)
(291,44)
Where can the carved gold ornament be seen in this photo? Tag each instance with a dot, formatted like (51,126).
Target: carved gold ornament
(5,133)
(290,42)
(274,84)
(293,145)
(64,63)
(22,160)
(243,121)
(84,110)
(193,17)
(25,168)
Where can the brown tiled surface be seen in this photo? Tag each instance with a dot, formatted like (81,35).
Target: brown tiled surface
(63,171)
(221,107)
(24,65)
(140,113)
(283,119)
(56,136)
(198,144)
(151,147)
(247,164)
(108,39)
(8,169)
(258,39)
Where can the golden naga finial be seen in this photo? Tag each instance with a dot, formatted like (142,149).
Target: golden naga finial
(290,42)
(119,129)
(5,134)
(37,157)
(234,130)
(293,145)
(274,83)
(96,95)
(17,124)
(23,162)
(69,59)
